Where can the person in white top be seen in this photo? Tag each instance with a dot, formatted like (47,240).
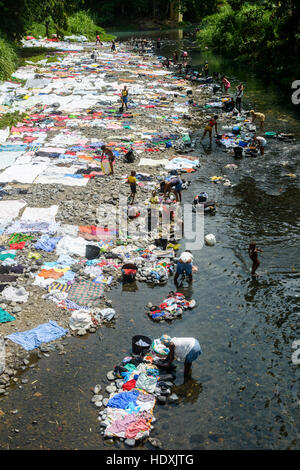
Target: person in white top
(182,349)
(185,265)
(260,142)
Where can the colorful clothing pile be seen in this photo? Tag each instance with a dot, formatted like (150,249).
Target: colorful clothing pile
(172,307)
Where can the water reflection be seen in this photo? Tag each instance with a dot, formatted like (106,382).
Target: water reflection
(189,391)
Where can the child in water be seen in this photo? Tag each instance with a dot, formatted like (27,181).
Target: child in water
(253,254)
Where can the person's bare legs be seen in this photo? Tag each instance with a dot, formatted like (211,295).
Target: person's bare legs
(254,267)
(187,369)
(204,134)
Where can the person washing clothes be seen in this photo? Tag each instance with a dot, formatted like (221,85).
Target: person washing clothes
(259,116)
(175,184)
(226,83)
(185,350)
(260,142)
(185,265)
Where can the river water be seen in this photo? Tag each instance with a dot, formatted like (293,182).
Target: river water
(245,388)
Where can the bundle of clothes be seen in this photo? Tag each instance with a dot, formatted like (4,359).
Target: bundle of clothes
(171,307)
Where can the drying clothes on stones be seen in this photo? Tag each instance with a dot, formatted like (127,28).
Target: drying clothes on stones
(5,316)
(83,292)
(172,307)
(15,294)
(44,333)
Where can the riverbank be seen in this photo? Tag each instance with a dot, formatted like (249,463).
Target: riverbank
(75,208)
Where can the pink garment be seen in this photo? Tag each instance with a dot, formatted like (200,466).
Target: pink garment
(136,427)
(120,425)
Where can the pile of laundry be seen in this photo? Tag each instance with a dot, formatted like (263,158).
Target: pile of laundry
(171,308)
(136,385)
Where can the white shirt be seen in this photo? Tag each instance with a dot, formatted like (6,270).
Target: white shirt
(186,257)
(261,140)
(182,347)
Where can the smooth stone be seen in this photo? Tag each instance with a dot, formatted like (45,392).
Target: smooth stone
(155,442)
(173,397)
(105,401)
(110,375)
(111,388)
(97,398)
(97,389)
(161,399)
(130,442)
(81,332)
(98,404)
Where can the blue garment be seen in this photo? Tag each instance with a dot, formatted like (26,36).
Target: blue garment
(44,333)
(184,268)
(122,399)
(194,353)
(47,243)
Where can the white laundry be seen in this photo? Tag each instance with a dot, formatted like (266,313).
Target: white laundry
(15,294)
(41,214)
(10,209)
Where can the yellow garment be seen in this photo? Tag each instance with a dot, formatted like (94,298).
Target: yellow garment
(260,116)
(131,179)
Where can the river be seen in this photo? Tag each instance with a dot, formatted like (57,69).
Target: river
(245,389)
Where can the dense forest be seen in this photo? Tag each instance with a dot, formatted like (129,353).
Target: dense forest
(263,33)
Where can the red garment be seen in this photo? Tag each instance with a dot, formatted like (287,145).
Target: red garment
(129,271)
(136,427)
(129,385)
(17,246)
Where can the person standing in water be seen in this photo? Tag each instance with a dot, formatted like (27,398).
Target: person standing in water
(98,41)
(239,96)
(206,69)
(186,350)
(208,129)
(253,255)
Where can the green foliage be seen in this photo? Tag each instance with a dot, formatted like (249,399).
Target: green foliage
(8,59)
(82,23)
(11,119)
(257,32)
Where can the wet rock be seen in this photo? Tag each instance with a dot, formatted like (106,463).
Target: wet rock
(24,381)
(97,389)
(111,388)
(162,399)
(81,332)
(130,442)
(98,404)
(173,397)
(155,442)
(97,398)
(110,375)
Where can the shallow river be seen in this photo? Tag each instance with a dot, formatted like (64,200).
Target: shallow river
(245,389)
